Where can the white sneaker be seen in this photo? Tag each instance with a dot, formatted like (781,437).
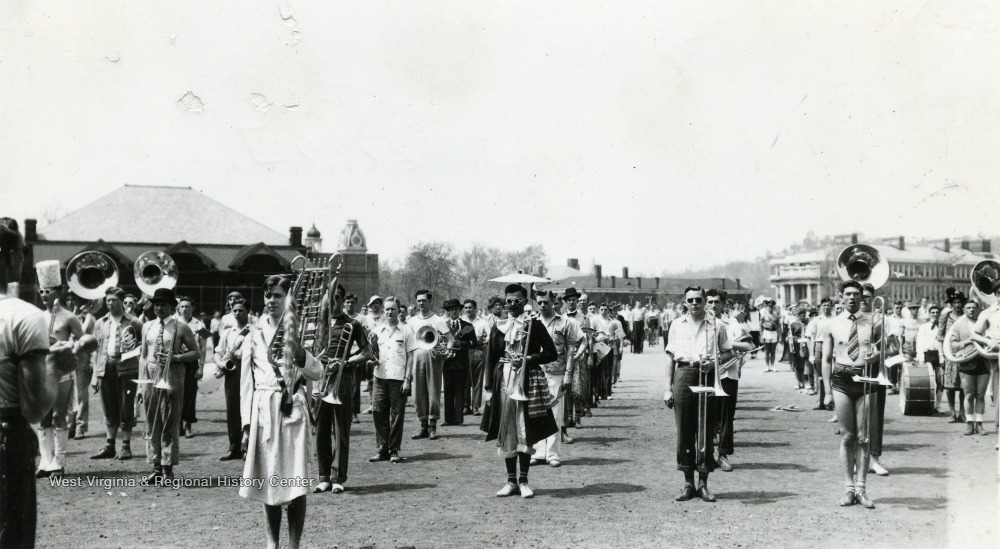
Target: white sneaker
(554,463)
(337,488)
(508,489)
(526,491)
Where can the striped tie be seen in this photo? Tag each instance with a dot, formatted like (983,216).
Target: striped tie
(852,341)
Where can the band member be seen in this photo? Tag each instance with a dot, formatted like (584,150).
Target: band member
(815,333)
(333,422)
(129,304)
(30,374)
(393,378)
(427,368)
(228,360)
(516,349)
(474,396)
(565,334)
(275,420)
(372,317)
(952,379)
(637,328)
(652,325)
(456,363)
(193,369)
(987,332)
(77,419)
(116,371)
(846,353)
(927,351)
(495,309)
(63,325)
(730,378)
(229,319)
(609,331)
(161,370)
(769,327)
(577,400)
(975,373)
(691,357)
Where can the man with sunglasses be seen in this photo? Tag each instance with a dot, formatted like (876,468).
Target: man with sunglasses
(691,351)
(53,433)
(428,368)
(566,335)
(739,340)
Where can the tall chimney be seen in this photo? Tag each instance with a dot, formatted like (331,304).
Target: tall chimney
(902,243)
(854,238)
(738,287)
(947,245)
(573,263)
(987,243)
(612,281)
(966,245)
(624,272)
(295,237)
(30,230)
(657,283)
(597,273)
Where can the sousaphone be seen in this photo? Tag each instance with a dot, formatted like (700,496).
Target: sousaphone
(153,270)
(864,264)
(88,276)
(985,277)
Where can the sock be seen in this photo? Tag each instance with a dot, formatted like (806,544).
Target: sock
(511,469)
(524,460)
(689,477)
(110,443)
(849,486)
(859,486)
(703,478)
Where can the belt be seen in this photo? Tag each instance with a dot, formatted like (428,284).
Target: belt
(686,364)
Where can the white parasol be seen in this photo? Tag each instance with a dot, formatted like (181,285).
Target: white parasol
(520,278)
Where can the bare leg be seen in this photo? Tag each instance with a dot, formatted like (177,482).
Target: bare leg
(273,514)
(846,412)
(861,409)
(296,521)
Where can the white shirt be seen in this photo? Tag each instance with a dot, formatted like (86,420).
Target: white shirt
(394,344)
(438,323)
(687,340)
(926,340)
(734,331)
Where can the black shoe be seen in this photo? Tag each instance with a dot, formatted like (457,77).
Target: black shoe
(467,411)
(394,457)
(72,431)
(422,433)
(125,454)
(378,457)
(704,494)
(107,453)
(724,464)
(168,474)
(42,474)
(58,473)
(356,419)
(231,455)
(155,478)
(687,493)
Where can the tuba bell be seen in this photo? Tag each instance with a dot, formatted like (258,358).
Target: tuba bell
(985,276)
(90,274)
(864,264)
(153,270)
(427,338)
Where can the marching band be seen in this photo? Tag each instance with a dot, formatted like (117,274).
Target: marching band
(533,364)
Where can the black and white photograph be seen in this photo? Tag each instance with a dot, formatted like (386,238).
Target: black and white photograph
(421,274)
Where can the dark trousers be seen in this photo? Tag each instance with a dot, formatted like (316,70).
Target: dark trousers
(232,387)
(18,499)
(727,412)
(118,398)
(598,378)
(190,392)
(454,400)
(333,433)
(357,392)
(478,363)
(638,336)
(686,419)
(388,409)
(879,396)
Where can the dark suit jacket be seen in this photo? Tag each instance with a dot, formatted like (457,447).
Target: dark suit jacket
(465,339)
(541,350)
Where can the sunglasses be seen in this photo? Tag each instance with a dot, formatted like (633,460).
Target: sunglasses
(694,300)
(510,302)
(543,302)
(45,291)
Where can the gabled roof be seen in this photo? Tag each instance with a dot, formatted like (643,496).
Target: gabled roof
(162,215)
(183,247)
(256,249)
(105,248)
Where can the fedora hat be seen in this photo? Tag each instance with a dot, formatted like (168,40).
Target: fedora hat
(571,292)
(451,303)
(163,294)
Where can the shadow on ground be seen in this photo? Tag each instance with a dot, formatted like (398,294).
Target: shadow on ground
(593,490)
(776,467)
(383,488)
(597,461)
(916,504)
(437,456)
(755,498)
(936,472)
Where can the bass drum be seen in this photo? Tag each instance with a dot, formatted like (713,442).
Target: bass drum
(916,389)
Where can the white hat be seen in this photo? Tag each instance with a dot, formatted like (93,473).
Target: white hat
(48,273)
(373,299)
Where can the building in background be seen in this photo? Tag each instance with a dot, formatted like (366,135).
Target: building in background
(359,273)
(217,249)
(917,269)
(626,289)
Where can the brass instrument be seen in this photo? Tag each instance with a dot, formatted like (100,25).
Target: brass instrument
(703,391)
(329,387)
(154,270)
(520,381)
(163,379)
(985,276)
(90,274)
(864,264)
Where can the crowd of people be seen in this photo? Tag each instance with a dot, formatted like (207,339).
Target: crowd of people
(530,367)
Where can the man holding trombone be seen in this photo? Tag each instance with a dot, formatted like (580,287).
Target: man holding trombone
(846,354)
(696,345)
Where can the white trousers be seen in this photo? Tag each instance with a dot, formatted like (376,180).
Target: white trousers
(549,448)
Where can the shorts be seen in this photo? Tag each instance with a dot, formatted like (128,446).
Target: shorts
(769,336)
(842,380)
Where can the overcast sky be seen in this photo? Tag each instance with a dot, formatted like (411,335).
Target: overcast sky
(652,135)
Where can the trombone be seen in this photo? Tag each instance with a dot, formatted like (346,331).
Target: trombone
(703,391)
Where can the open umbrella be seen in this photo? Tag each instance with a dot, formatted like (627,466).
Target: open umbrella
(520,278)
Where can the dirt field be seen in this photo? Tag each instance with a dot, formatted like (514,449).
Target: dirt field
(616,487)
